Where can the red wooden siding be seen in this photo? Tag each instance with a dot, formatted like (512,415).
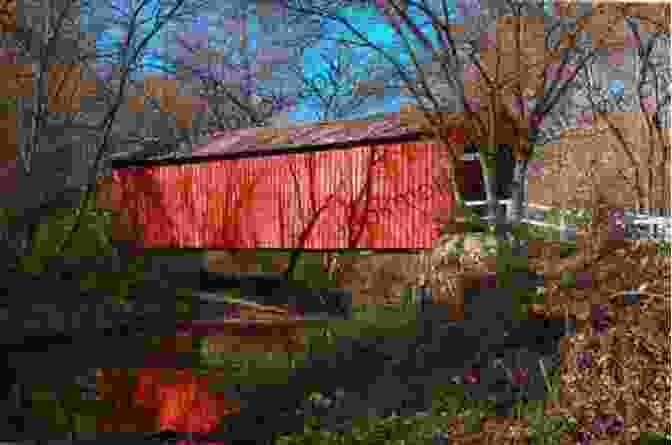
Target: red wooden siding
(374,197)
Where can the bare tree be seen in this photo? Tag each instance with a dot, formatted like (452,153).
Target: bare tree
(637,115)
(512,57)
(241,86)
(124,58)
(345,83)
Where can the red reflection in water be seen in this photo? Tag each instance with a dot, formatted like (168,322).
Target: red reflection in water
(183,400)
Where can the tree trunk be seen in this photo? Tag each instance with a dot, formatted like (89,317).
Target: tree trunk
(490,186)
(293,260)
(516,209)
(495,212)
(518,192)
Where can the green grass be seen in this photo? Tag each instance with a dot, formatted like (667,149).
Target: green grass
(651,438)
(268,367)
(449,399)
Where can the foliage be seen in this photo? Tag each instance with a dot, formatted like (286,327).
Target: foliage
(473,222)
(308,271)
(537,152)
(651,438)
(449,402)
(92,240)
(255,367)
(184,304)
(455,246)
(7,104)
(664,248)
(389,430)
(522,231)
(567,279)
(547,432)
(68,412)
(450,399)
(252,367)
(567,249)
(572,216)
(508,263)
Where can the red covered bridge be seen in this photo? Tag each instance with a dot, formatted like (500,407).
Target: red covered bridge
(372,184)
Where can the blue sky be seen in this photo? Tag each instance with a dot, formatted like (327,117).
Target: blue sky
(109,38)
(369,23)
(366,20)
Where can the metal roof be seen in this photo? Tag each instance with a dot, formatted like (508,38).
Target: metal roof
(248,142)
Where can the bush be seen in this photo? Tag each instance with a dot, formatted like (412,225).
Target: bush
(92,238)
(90,259)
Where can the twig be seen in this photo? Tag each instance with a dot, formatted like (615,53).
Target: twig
(453,288)
(543,371)
(635,292)
(214,298)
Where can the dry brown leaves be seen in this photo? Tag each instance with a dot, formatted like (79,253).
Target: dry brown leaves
(378,278)
(631,372)
(630,376)
(494,430)
(8,16)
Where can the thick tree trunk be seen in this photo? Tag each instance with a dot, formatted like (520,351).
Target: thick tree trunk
(518,192)
(495,212)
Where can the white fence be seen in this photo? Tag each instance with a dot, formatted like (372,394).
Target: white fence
(643,225)
(638,224)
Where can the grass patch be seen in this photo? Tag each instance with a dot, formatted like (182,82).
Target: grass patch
(651,438)
(449,399)
(449,402)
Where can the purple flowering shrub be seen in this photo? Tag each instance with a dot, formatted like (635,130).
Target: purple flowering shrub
(584,359)
(599,318)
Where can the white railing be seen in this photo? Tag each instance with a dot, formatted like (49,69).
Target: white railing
(659,227)
(567,231)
